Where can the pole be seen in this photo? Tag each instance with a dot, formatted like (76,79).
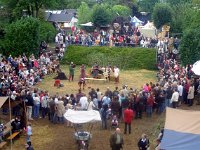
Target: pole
(10,121)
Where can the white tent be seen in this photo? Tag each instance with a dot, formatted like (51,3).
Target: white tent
(196,68)
(148,30)
(78,117)
(89,24)
(135,21)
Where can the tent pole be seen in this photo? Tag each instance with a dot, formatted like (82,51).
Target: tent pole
(10,122)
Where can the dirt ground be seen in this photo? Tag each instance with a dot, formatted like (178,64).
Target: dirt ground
(48,136)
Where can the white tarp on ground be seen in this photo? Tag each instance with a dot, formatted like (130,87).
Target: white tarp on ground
(196,68)
(76,116)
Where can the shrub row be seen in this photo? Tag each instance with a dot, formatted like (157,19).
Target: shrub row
(125,58)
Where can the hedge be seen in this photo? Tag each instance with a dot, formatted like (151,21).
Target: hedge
(125,58)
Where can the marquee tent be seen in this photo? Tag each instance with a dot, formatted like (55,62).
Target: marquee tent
(196,68)
(148,30)
(182,130)
(135,21)
(3,100)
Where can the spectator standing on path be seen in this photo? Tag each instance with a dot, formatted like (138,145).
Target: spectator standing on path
(29,106)
(116,140)
(190,96)
(174,99)
(28,133)
(71,71)
(128,117)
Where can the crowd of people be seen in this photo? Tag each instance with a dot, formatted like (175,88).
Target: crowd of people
(176,86)
(105,38)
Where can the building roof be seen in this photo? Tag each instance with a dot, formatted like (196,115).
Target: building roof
(60,17)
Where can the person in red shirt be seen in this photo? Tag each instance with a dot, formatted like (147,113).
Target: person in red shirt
(150,103)
(128,116)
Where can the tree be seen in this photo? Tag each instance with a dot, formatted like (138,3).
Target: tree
(147,5)
(47,32)
(84,13)
(190,46)
(162,14)
(101,15)
(21,37)
(121,10)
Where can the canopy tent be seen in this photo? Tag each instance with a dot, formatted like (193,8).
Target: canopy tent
(79,117)
(89,24)
(196,68)
(3,100)
(182,130)
(148,30)
(135,21)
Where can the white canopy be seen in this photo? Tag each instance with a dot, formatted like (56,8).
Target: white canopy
(89,24)
(196,68)
(78,117)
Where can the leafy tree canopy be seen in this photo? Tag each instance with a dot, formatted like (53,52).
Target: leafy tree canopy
(162,14)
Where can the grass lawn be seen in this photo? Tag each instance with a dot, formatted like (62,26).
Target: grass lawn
(47,136)
(132,78)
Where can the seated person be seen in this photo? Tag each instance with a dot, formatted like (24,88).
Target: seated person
(16,125)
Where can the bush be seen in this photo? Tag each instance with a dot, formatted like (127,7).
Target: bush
(125,58)
(162,14)
(190,46)
(47,32)
(21,37)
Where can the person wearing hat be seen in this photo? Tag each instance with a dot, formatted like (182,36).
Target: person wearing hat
(71,71)
(116,140)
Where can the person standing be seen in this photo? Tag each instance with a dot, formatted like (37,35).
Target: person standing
(29,105)
(128,116)
(190,96)
(116,74)
(71,71)
(116,140)
(82,77)
(174,99)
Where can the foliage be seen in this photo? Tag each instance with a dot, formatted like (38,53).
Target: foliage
(147,5)
(190,46)
(177,2)
(121,10)
(47,32)
(101,15)
(162,14)
(21,37)
(183,15)
(84,13)
(125,58)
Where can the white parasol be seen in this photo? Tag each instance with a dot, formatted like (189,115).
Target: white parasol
(79,117)
(196,68)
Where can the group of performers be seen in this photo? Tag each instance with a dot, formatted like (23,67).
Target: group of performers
(96,72)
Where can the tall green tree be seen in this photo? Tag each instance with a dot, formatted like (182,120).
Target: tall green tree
(147,5)
(162,14)
(21,37)
(101,15)
(84,13)
(190,46)
(121,10)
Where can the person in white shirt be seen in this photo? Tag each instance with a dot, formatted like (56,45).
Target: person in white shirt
(174,99)
(190,96)
(116,74)
(83,103)
(36,101)
(180,90)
